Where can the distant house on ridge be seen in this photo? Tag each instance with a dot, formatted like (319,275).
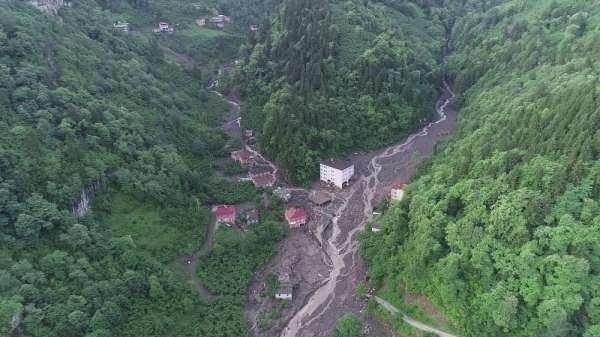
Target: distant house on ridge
(122,26)
(163,27)
(219,20)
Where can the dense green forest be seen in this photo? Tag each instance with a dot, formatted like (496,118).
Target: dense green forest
(501,228)
(83,105)
(330,77)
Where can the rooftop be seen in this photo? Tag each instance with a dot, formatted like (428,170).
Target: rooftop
(224,210)
(263,179)
(295,214)
(337,163)
(242,154)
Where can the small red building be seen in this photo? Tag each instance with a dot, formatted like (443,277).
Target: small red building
(225,214)
(163,27)
(296,217)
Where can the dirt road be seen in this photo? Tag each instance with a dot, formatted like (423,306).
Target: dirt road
(338,294)
(189,263)
(416,324)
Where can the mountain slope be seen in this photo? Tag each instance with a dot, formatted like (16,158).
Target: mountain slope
(332,77)
(87,109)
(501,227)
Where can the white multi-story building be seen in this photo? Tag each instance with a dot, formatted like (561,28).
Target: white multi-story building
(337,172)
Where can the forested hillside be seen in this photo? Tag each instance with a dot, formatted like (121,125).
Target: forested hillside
(502,228)
(82,106)
(330,77)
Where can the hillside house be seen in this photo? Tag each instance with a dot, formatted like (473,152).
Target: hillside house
(295,217)
(285,290)
(225,214)
(122,26)
(265,179)
(397,192)
(163,27)
(248,133)
(337,172)
(219,21)
(243,157)
(375,227)
(253,28)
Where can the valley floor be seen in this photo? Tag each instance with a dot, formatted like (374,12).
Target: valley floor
(323,259)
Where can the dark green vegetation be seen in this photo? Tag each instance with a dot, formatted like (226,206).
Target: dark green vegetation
(330,77)
(227,269)
(502,227)
(82,105)
(348,326)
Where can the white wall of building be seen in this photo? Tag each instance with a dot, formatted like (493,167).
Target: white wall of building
(336,176)
(282,296)
(397,194)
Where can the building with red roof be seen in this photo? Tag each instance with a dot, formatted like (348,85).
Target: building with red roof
(296,217)
(225,214)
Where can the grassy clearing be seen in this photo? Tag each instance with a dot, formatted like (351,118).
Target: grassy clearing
(162,231)
(202,32)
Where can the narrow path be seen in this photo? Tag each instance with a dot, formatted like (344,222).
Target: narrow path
(190,262)
(236,107)
(414,323)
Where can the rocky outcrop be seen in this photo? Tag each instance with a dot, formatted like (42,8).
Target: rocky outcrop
(48,6)
(84,202)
